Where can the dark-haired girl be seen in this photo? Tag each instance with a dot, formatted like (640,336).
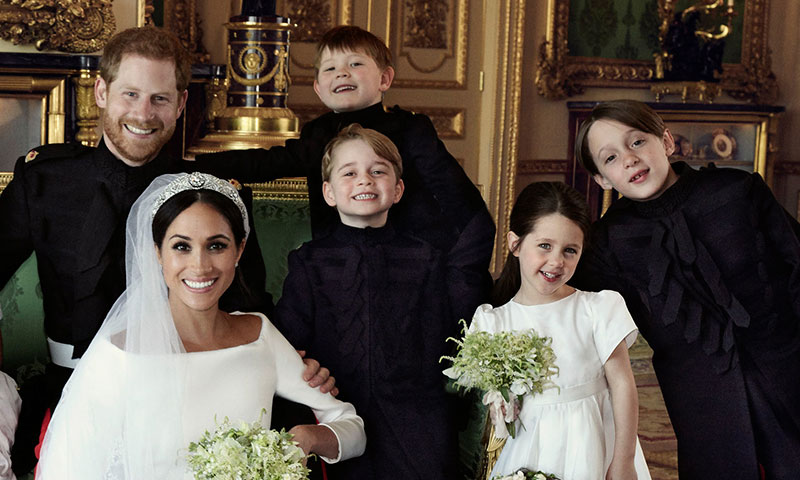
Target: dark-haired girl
(586,428)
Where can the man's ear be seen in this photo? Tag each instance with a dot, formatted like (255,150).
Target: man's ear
(327,194)
(182,101)
(513,241)
(399,188)
(602,181)
(100,92)
(669,142)
(387,77)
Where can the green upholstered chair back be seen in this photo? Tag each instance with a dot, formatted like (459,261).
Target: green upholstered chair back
(281,225)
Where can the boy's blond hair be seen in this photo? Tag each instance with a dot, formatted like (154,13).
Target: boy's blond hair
(378,142)
(355,39)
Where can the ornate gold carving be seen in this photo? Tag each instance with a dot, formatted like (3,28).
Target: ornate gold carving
(253,60)
(700,91)
(426,24)
(216,94)
(181,17)
(559,75)
(306,16)
(5,178)
(455,47)
(77,26)
(449,122)
(282,189)
(312,18)
(86,112)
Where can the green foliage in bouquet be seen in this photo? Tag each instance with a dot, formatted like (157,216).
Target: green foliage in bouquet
(246,452)
(508,362)
(527,475)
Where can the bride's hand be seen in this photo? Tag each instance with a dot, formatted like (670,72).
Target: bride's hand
(316,439)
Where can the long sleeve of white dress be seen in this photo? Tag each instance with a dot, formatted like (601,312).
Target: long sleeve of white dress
(339,416)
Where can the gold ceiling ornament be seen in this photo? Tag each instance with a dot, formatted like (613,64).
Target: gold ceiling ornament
(75,26)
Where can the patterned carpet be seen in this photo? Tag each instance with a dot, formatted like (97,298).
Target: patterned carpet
(655,429)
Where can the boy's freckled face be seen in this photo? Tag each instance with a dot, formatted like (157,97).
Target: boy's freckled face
(350,80)
(362,185)
(634,163)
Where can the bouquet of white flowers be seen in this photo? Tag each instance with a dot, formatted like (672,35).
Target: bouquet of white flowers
(527,475)
(246,452)
(503,364)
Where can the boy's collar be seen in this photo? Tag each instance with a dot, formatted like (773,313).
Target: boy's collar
(377,107)
(674,196)
(364,236)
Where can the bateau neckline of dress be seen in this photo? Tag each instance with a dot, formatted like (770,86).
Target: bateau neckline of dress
(258,339)
(574,293)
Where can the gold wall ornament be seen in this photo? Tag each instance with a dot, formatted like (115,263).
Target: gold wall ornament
(86,112)
(426,24)
(699,91)
(75,26)
(312,18)
(560,75)
(181,17)
(441,51)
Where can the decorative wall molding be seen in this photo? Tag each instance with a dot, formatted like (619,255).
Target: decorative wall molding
(787,168)
(540,167)
(449,122)
(432,39)
(312,19)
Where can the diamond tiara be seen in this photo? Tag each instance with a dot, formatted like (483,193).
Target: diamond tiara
(201,181)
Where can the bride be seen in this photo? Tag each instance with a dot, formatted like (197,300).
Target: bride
(168,364)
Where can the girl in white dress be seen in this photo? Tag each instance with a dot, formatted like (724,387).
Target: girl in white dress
(586,428)
(167,364)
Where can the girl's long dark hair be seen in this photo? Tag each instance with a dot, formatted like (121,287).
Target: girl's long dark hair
(538,200)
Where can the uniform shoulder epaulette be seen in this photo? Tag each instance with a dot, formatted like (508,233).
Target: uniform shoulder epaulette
(55,150)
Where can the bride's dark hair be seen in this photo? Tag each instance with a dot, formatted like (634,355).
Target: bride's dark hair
(183,200)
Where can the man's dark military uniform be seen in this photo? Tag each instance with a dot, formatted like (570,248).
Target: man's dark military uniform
(69,204)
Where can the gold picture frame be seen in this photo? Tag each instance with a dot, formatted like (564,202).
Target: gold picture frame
(560,75)
(48,94)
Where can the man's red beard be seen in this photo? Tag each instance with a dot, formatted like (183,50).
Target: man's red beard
(136,151)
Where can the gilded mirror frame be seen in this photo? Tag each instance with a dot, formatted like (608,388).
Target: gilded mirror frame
(560,75)
(51,93)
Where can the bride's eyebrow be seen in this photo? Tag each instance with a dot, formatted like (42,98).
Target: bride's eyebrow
(218,236)
(182,237)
